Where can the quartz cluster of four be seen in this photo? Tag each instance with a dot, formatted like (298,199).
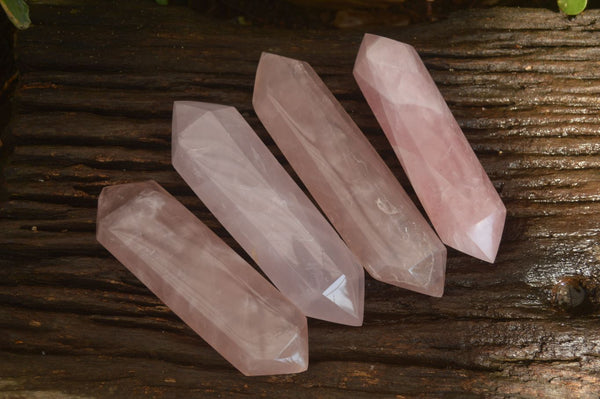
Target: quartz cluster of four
(258,329)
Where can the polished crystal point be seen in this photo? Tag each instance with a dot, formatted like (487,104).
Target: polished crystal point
(351,183)
(455,191)
(210,287)
(240,181)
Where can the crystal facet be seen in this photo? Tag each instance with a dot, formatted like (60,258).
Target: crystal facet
(240,181)
(210,287)
(351,183)
(455,191)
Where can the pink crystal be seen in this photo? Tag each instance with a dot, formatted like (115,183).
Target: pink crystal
(240,181)
(210,287)
(453,187)
(351,183)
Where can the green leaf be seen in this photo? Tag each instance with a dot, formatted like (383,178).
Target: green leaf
(572,7)
(17,12)
(162,2)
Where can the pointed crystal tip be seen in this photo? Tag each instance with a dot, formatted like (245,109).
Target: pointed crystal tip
(426,276)
(378,47)
(293,358)
(483,238)
(346,294)
(113,197)
(266,58)
(380,52)
(272,72)
(187,112)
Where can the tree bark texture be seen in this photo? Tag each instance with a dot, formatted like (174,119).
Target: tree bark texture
(93,108)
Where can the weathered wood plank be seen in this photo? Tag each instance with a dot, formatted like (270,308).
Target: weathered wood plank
(93,108)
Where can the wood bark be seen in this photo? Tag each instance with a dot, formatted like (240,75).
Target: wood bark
(93,108)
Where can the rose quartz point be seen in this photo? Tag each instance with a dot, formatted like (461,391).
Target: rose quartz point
(345,175)
(210,287)
(231,170)
(453,187)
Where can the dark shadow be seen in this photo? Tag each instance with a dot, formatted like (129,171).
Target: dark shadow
(8,75)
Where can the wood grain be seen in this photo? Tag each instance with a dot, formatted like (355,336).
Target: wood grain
(93,108)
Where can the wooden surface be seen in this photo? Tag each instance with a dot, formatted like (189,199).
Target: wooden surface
(93,108)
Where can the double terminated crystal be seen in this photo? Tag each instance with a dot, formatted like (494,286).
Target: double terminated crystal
(351,183)
(210,287)
(454,189)
(240,181)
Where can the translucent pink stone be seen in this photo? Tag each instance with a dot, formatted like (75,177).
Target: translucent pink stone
(210,287)
(351,183)
(240,181)
(453,187)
